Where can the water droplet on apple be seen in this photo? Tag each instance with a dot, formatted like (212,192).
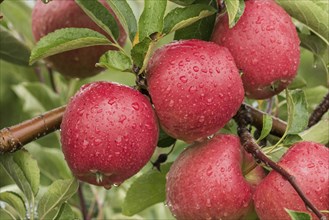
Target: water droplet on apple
(183,79)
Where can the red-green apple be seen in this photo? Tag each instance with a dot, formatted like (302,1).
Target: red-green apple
(207,181)
(195,88)
(308,162)
(57,14)
(265,46)
(108,133)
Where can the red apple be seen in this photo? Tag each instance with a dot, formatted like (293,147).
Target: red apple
(308,162)
(265,46)
(108,133)
(207,182)
(195,88)
(59,14)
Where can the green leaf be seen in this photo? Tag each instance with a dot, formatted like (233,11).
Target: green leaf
(183,2)
(66,39)
(267,126)
(315,95)
(165,140)
(50,161)
(12,50)
(18,13)
(37,97)
(297,111)
(151,19)
(6,214)
(116,60)
(180,18)
(24,171)
(319,49)
(125,16)
(58,193)
(101,16)
(235,9)
(147,190)
(297,83)
(315,16)
(140,51)
(318,133)
(65,213)
(201,29)
(295,215)
(16,202)
(290,139)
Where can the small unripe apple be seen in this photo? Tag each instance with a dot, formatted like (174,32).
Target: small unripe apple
(207,181)
(57,14)
(195,88)
(265,46)
(308,162)
(108,133)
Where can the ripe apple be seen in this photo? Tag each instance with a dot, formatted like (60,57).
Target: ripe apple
(108,133)
(308,162)
(195,88)
(207,182)
(265,46)
(59,14)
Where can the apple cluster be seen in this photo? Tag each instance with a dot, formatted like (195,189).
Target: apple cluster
(110,131)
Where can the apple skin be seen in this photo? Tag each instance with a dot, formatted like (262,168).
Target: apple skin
(195,88)
(206,181)
(108,129)
(57,14)
(308,162)
(265,46)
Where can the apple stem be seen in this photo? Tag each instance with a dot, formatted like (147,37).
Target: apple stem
(243,118)
(319,111)
(52,80)
(15,137)
(82,202)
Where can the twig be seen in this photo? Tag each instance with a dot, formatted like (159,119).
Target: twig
(52,79)
(15,137)
(243,118)
(82,202)
(278,126)
(319,111)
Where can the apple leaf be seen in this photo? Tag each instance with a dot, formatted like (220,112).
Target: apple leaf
(297,111)
(312,14)
(151,19)
(116,60)
(18,13)
(12,50)
(183,2)
(51,163)
(318,47)
(267,126)
(295,215)
(145,191)
(125,15)
(315,95)
(140,50)
(101,16)
(24,171)
(165,140)
(179,18)
(297,83)
(235,9)
(66,39)
(57,194)
(16,202)
(201,29)
(318,133)
(65,213)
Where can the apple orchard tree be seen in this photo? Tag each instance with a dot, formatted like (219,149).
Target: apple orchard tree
(156,109)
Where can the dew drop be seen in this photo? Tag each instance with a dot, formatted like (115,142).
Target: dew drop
(122,118)
(196,69)
(183,79)
(135,106)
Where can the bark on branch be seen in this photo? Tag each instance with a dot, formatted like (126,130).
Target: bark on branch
(243,118)
(319,111)
(15,137)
